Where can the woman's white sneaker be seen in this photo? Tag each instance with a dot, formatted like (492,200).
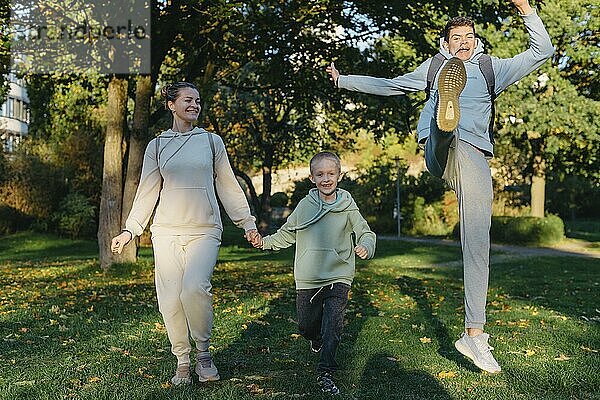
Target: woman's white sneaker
(479,351)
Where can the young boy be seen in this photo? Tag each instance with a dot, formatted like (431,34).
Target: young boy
(325,226)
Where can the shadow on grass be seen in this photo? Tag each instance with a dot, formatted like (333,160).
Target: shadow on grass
(385,379)
(415,288)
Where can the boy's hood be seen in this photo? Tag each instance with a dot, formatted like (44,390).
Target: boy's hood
(317,208)
(474,58)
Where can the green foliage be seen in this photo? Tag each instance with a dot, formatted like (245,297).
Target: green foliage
(572,196)
(528,230)
(279,199)
(4,47)
(12,220)
(32,186)
(76,217)
(66,130)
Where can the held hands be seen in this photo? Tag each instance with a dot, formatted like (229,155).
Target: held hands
(253,237)
(119,241)
(361,251)
(334,73)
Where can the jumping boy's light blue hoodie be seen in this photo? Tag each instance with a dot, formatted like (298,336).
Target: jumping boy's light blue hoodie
(475,102)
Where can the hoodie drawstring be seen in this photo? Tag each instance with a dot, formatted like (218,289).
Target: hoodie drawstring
(319,291)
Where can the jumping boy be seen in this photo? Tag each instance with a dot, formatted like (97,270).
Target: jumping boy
(455,127)
(325,226)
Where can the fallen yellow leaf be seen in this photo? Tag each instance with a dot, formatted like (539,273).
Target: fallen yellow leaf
(529,352)
(588,349)
(562,357)
(425,339)
(447,374)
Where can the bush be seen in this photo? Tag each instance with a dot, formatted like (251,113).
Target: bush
(12,220)
(32,186)
(279,199)
(76,217)
(527,230)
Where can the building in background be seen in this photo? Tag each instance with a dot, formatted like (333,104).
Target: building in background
(14,115)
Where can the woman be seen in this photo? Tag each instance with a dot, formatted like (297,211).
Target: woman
(183,169)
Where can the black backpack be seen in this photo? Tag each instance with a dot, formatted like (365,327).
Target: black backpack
(485,66)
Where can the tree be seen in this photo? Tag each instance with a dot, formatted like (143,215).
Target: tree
(272,95)
(548,120)
(112,172)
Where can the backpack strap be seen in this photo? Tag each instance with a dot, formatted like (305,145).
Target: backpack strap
(213,152)
(434,66)
(485,66)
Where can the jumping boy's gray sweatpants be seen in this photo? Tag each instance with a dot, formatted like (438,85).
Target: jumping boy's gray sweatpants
(466,170)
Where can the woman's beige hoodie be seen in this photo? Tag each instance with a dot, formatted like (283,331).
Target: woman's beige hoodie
(183,183)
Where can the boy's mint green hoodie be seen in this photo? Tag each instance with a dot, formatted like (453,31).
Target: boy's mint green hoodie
(323,234)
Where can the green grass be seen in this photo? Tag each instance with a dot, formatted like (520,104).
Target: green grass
(71,331)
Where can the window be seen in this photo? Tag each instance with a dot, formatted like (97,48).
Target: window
(18,109)
(10,103)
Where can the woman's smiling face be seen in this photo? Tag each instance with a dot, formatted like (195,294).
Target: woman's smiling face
(187,105)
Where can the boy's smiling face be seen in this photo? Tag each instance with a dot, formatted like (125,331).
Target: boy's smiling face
(325,174)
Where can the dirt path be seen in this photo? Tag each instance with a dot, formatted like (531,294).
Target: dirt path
(509,252)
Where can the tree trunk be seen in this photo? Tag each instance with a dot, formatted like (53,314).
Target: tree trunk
(265,203)
(538,187)
(137,145)
(251,193)
(112,174)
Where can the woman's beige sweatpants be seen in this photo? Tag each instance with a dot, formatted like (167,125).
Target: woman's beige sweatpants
(184,265)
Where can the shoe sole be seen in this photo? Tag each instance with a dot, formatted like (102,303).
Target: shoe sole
(209,379)
(465,351)
(451,83)
(183,381)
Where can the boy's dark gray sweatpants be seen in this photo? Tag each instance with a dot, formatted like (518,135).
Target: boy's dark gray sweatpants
(321,318)
(466,170)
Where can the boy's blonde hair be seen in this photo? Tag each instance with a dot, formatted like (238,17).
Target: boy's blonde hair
(325,155)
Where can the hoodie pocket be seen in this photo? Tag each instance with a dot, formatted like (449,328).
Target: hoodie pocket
(185,206)
(320,264)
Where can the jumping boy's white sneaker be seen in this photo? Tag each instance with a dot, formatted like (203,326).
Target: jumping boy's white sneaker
(205,367)
(479,351)
(183,375)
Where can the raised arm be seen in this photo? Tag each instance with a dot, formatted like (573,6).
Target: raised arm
(411,82)
(510,70)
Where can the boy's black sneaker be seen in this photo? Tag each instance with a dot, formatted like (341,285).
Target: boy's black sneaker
(326,383)
(315,346)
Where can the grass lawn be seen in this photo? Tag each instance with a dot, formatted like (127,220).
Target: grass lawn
(70,331)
